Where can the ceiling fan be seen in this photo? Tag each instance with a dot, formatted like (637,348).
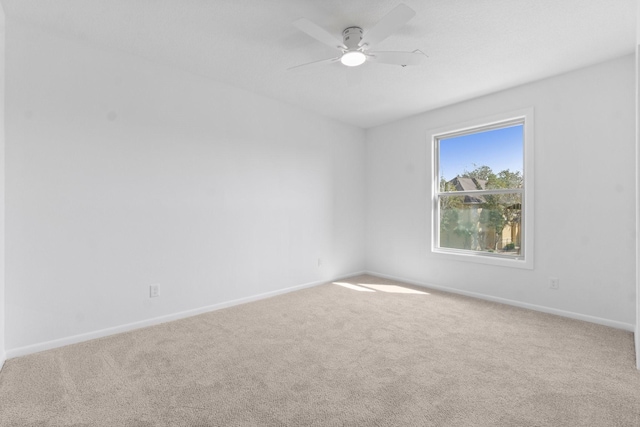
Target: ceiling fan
(355,44)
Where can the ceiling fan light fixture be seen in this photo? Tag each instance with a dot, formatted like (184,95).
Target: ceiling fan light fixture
(353,58)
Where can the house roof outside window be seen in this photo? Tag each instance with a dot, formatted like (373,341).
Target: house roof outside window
(470,184)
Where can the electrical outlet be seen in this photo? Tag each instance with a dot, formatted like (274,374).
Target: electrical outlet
(319,262)
(154,291)
(554,283)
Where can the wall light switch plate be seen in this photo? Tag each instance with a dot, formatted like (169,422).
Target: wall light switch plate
(154,291)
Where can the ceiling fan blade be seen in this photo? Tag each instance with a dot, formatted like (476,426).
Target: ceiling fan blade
(389,24)
(396,58)
(317,32)
(320,62)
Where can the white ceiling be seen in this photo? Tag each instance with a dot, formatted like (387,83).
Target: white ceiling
(474,46)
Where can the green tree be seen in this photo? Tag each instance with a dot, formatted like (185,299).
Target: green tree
(449,213)
(468,230)
(510,203)
(480,172)
(493,216)
(498,210)
(506,179)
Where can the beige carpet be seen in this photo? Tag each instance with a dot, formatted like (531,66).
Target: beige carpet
(337,355)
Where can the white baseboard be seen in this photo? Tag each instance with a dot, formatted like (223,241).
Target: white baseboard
(75,339)
(543,309)
(3,358)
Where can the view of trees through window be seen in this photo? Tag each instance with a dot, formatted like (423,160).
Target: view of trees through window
(480,204)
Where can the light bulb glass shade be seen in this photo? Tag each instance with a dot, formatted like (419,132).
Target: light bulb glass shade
(353,58)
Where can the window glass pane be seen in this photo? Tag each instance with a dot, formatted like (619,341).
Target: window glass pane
(482,160)
(488,223)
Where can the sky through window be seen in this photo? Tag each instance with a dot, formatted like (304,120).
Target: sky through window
(499,149)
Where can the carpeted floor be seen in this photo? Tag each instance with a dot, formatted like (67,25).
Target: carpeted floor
(367,352)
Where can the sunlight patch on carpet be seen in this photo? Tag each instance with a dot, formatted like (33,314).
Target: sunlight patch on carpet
(373,287)
(353,287)
(393,289)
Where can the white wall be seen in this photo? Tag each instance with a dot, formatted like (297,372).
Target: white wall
(637,332)
(584,197)
(122,173)
(2,95)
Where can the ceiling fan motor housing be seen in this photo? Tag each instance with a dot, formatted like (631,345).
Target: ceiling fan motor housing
(351,37)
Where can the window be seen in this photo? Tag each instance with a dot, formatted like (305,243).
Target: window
(483,190)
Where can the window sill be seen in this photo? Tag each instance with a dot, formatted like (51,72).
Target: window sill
(479,258)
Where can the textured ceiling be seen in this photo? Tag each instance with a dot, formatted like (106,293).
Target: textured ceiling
(474,47)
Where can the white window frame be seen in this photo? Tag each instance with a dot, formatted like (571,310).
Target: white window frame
(525,259)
